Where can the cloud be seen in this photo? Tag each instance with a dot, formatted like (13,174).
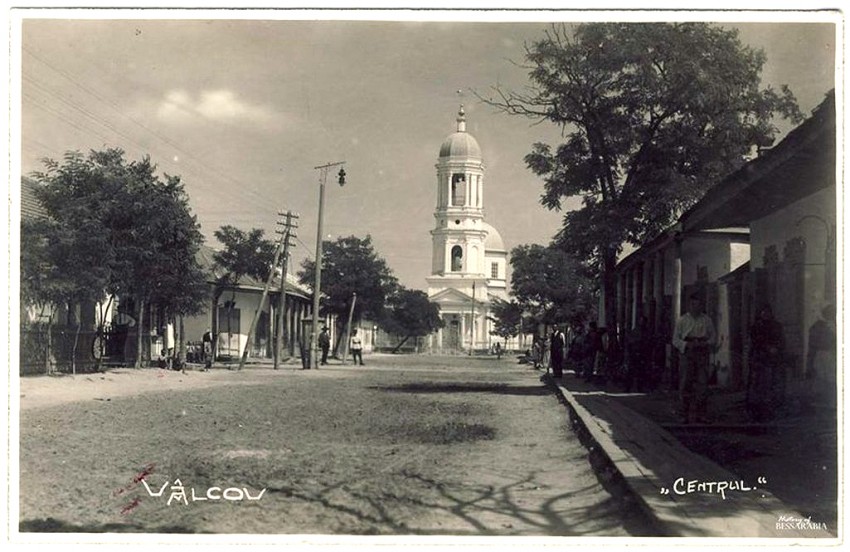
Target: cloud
(179,106)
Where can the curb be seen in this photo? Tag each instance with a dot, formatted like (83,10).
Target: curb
(638,468)
(601,448)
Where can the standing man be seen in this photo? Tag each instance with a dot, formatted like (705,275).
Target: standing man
(694,338)
(356,348)
(324,344)
(558,346)
(207,340)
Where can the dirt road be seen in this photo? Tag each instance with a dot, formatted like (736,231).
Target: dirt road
(406,445)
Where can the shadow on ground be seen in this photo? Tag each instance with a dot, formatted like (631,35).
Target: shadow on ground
(53,525)
(465,387)
(482,509)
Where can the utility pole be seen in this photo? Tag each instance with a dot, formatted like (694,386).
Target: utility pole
(250,339)
(288,234)
(472,322)
(348,332)
(317,284)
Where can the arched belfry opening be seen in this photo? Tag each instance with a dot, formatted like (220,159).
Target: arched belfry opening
(458,190)
(457,258)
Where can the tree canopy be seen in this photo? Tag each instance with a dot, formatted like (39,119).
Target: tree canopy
(116,227)
(243,254)
(506,317)
(411,314)
(652,114)
(550,284)
(351,265)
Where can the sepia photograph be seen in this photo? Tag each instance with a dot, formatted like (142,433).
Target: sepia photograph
(425,276)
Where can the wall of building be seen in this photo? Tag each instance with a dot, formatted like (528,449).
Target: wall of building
(786,224)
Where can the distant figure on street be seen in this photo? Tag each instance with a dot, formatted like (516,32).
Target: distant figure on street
(324,344)
(821,358)
(557,346)
(207,341)
(536,351)
(765,384)
(356,348)
(694,338)
(498,351)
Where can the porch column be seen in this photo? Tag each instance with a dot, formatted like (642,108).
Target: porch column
(658,289)
(462,336)
(638,293)
(677,281)
(621,307)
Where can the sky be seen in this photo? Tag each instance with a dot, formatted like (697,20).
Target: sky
(244,109)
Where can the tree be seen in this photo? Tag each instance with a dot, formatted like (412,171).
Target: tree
(653,115)
(507,318)
(410,314)
(351,265)
(244,254)
(119,229)
(550,284)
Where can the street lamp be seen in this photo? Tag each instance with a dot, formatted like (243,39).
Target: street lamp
(317,284)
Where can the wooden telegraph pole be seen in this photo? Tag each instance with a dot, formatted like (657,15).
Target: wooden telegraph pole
(281,311)
(250,341)
(317,283)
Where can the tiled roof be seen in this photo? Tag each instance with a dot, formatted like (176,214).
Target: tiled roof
(207,262)
(31,207)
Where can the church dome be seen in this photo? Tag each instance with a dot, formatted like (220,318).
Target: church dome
(460,143)
(493,241)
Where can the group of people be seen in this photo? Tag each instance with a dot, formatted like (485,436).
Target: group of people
(355,345)
(583,351)
(695,340)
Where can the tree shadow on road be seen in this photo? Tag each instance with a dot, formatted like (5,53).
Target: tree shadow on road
(475,509)
(465,387)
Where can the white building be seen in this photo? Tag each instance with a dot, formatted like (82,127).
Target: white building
(469,258)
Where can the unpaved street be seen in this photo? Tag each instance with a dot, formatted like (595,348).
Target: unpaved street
(406,445)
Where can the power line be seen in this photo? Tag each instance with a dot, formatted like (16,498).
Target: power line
(262,200)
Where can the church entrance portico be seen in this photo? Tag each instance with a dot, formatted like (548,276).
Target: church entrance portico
(451,333)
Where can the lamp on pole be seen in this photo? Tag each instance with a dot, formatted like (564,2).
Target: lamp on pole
(317,284)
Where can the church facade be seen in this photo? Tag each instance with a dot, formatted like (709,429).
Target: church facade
(469,260)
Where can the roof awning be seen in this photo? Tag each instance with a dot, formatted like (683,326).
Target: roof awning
(802,164)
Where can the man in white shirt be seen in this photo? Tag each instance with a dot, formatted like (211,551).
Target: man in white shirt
(694,338)
(356,347)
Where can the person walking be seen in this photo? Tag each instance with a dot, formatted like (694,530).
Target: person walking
(694,338)
(356,346)
(324,344)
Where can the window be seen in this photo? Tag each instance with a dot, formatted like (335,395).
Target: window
(494,270)
(457,258)
(458,190)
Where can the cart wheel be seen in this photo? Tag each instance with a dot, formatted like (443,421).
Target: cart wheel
(97,347)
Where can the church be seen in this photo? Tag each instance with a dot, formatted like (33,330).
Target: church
(469,259)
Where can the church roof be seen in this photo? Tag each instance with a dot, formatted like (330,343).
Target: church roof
(493,241)
(460,143)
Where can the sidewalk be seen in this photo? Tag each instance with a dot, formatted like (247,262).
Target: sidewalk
(755,464)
